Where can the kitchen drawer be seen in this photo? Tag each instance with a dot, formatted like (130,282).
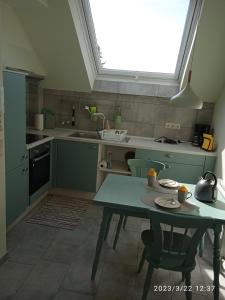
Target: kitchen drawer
(171,157)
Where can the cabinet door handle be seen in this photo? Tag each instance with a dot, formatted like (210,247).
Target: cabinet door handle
(25,170)
(169,155)
(25,156)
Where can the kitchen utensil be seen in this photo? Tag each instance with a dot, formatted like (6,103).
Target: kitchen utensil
(169,183)
(205,189)
(167,202)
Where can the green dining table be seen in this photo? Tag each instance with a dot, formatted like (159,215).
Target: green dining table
(131,196)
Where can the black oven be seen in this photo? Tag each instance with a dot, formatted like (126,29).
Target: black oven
(39,167)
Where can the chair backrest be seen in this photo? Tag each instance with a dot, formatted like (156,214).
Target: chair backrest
(189,229)
(140,167)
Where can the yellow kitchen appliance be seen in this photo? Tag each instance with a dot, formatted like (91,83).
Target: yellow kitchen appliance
(208,142)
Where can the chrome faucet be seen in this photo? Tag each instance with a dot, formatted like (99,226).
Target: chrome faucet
(97,114)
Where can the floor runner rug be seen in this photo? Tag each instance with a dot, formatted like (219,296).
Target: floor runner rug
(59,211)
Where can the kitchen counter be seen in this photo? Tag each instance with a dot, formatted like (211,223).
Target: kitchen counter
(133,142)
(42,141)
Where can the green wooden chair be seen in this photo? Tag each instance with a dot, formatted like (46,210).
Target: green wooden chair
(139,168)
(173,249)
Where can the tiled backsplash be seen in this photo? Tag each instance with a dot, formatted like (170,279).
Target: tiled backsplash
(141,115)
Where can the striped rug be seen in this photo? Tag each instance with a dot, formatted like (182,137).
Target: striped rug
(59,211)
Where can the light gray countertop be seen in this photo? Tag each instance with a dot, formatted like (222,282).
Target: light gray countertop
(134,142)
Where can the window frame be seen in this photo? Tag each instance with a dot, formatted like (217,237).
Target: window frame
(186,42)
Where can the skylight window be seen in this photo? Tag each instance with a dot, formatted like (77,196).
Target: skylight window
(140,36)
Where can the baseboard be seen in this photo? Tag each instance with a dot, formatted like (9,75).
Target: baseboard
(72,193)
(28,209)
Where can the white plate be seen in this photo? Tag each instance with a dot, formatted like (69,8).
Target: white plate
(169,183)
(167,202)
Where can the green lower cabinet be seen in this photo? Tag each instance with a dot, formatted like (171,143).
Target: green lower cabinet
(76,165)
(17,198)
(181,167)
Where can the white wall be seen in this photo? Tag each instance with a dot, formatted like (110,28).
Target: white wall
(219,125)
(2,159)
(17,51)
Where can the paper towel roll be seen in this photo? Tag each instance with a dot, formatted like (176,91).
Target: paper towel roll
(39,121)
(102,164)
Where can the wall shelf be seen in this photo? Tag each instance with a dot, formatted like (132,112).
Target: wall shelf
(118,167)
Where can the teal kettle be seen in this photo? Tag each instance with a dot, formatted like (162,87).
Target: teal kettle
(205,189)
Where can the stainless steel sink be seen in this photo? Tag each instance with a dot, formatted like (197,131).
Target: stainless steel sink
(86,135)
(91,135)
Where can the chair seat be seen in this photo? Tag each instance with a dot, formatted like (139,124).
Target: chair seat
(168,260)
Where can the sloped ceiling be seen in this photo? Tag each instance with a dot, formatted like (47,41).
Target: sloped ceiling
(50,29)
(208,76)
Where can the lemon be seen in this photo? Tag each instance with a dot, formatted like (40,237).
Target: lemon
(183,188)
(152,172)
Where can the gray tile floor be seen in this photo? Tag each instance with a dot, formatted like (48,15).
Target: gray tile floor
(50,263)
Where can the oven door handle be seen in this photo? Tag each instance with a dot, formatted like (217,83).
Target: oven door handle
(40,157)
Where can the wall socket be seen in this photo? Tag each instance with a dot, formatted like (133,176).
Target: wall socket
(172,125)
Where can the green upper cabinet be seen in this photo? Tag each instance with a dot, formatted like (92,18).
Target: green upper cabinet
(181,167)
(76,165)
(15,119)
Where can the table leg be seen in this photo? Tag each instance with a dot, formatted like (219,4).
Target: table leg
(216,259)
(108,226)
(118,231)
(105,219)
